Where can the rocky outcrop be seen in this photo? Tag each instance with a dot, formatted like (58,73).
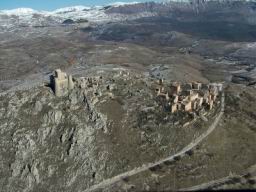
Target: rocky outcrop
(47,142)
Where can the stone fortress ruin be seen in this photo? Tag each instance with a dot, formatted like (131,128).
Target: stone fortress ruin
(188,97)
(62,83)
(176,96)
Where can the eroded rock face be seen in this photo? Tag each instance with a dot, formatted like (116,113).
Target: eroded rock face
(47,142)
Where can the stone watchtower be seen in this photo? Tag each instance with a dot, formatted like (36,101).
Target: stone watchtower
(62,83)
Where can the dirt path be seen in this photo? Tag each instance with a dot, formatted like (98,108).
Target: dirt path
(222,181)
(145,167)
(204,186)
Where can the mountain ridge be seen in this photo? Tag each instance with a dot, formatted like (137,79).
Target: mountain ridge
(193,10)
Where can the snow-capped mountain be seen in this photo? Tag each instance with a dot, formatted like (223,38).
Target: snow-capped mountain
(19,11)
(68,12)
(26,17)
(74,11)
(128,11)
(30,17)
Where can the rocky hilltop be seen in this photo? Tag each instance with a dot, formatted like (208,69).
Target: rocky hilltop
(77,139)
(118,120)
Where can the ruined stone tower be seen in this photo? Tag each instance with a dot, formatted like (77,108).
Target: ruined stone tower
(62,83)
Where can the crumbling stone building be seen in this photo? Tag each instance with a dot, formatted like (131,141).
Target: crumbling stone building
(186,105)
(189,97)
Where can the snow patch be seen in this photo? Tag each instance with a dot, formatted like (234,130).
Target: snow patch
(251,45)
(72,9)
(118,4)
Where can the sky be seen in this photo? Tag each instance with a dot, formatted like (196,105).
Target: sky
(55,4)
